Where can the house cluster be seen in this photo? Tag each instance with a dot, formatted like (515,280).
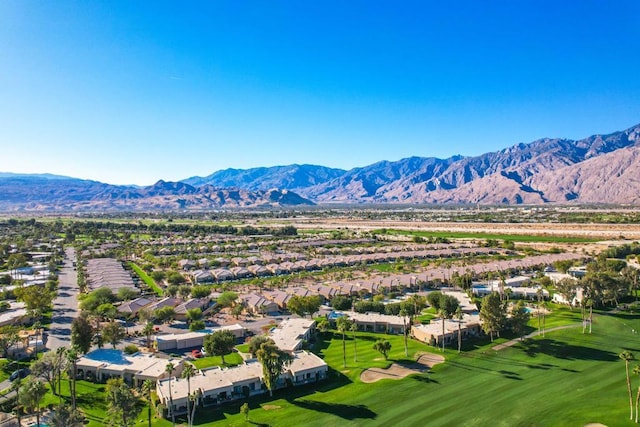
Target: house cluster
(517,287)
(274,265)
(219,385)
(150,304)
(169,342)
(108,273)
(292,334)
(103,364)
(466,327)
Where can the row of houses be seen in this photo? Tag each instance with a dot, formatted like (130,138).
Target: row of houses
(262,268)
(150,304)
(108,273)
(517,287)
(220,385)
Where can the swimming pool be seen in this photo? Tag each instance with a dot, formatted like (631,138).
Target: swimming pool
(108,355)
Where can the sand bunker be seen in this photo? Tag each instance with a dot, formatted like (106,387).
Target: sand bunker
(396,371)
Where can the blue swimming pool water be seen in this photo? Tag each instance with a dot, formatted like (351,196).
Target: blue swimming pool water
(334,315)
(108,355)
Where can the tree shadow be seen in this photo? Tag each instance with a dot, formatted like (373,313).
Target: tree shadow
(347,412)
(562,350)
(424,379)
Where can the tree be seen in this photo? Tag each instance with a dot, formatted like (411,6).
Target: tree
(322,324)
(169,370)
(165,314)
(31,394)
(16,385)
(171,291)
(445,305)
(304,305)
(148,386)
(459,315)
(341,302)
(8,337)
(113,333)
(227,299)
(49,368)
(636,371)
(81,333)
(273,361)
(383,346)
(126,294)
(184,291)
(519,319)
(244,410)
(66,416)
(72,359)
(568,288)
(197,325)
(219,343)
(187,373)
(343,324)
(194,314)
(493,314)
(36,299)
(121,403)
(175,278)
(256,342)
(354,329)
(627,356)
(148,330)
(403,314)
(200,291)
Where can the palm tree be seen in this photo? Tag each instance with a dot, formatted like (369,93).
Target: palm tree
(627,356)
(36,327)
(343,324)
(403,313)
(169,370)
(148,331)
(72,358)
(354,329)
(15,386)
(459,316)
(32,394)
(636,370)
(187,373)
(148,387)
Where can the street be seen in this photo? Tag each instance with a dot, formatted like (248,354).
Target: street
(65,306)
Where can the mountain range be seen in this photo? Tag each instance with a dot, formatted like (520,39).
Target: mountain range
(597,169)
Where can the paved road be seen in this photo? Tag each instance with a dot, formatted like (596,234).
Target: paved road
(65,306)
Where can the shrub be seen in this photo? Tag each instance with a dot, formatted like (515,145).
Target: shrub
(131,349)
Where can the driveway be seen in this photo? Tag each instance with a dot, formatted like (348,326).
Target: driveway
(65,306)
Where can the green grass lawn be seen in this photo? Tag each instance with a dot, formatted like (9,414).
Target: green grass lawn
(210,361)
(492,236)
(566,378)
(146,279)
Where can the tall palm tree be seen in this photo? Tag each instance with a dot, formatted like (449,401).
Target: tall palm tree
(628,356)
(187,373)
(72,358)
(343,325)
(403,314)
(148,331)
(354,329)
(459,316)
(15,386)
(148,386)
(169,370)
(636,370)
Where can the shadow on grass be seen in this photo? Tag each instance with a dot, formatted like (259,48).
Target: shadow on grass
(424,379)
(563,350)
(347,412)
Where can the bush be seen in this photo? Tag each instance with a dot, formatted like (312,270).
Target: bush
(131,349)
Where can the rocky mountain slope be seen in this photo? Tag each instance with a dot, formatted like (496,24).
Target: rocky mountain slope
(42,193)
(597,169)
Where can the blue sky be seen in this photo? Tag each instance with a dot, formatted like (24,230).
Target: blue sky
(130,92)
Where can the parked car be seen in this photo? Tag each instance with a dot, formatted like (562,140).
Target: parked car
(20,373)
(196,353)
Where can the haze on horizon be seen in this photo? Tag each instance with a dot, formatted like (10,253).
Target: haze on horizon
(132,92)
